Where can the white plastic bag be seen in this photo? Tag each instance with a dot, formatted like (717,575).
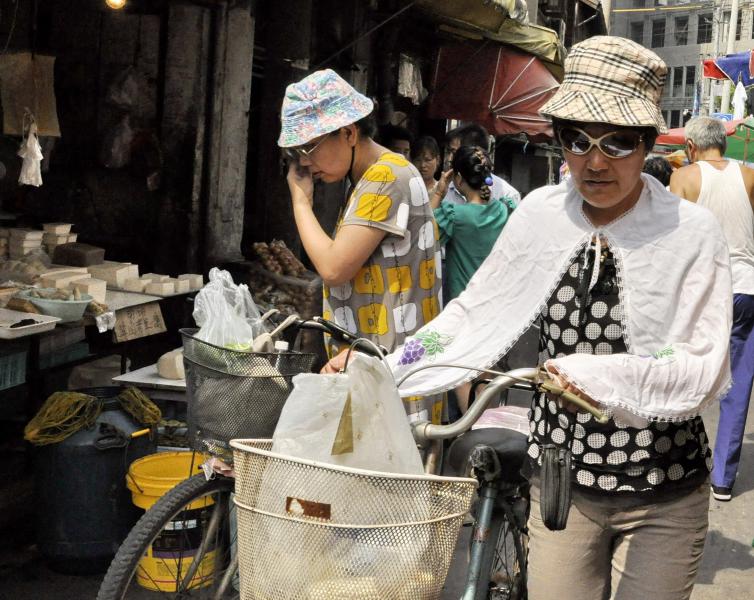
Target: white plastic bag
(355,419)
(220,312)
(31,154)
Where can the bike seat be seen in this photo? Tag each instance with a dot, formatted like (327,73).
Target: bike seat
(509,445)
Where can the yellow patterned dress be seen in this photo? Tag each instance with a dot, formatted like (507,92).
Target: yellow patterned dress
(398,289)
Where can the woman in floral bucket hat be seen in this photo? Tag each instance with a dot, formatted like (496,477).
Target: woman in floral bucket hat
(630,287)
(381,268)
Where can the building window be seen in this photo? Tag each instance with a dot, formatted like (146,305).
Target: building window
(675,119)
(658,33)
(726,27)
(704,32)
(677,81)
(681,31)
(636,32)
(690,81)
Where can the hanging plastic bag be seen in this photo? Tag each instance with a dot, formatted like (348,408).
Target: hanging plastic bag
(31,153)
(220,313)
(355,419)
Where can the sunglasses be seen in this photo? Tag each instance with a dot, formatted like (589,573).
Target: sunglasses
(307,150)
(615,144)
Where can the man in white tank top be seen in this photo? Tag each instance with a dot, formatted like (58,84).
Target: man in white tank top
(727,189)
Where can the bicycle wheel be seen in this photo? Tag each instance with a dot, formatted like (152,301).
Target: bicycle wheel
(504,558)
(180,548)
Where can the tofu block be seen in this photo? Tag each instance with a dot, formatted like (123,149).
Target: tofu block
(163,288)
(170,365)
(57,228)
(196,282)
(154,277)
(72,237)
(181,286)
(114,274)
(54,238)
(60,281)
(134,285)
(26,234)
(24,244)
(96,288)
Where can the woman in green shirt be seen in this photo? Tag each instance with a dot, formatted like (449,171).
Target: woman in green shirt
(468,231)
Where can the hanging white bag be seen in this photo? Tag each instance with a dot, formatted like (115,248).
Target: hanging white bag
(355,419)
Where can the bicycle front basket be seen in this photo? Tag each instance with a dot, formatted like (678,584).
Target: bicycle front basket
(312,531)
(234,394)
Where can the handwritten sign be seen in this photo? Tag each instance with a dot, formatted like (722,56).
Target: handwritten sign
(138,321)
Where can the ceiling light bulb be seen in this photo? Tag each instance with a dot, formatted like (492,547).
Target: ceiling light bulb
(115,4)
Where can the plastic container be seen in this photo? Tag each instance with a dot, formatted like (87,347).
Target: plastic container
(83,508)
(148,479)
(66,310)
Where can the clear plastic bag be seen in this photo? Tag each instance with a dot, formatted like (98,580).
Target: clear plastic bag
(226,313)
(355,419)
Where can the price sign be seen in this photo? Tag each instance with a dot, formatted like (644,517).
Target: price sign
(138,321)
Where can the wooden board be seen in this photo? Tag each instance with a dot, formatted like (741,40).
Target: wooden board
(138,321)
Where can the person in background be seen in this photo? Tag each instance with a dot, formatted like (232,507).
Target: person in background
(426,158)
(396,138)
(659,168)
(469,231)
(379,274)
(470,134)
(727,189)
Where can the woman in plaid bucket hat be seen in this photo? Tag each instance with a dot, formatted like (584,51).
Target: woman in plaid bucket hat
(630,287)
(381,269)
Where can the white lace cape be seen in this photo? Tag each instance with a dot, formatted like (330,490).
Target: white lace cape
(675,290)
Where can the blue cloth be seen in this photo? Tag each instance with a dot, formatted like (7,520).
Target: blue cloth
(735,66)
(735,405)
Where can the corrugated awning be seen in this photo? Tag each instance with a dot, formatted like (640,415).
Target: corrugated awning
(475,19)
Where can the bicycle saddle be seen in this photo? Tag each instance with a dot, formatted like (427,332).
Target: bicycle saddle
(509,445)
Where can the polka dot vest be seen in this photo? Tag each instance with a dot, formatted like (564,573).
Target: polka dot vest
(612,457)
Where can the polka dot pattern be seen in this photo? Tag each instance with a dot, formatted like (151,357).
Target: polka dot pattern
(612,457)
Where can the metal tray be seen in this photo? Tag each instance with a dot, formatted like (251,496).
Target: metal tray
(8,317)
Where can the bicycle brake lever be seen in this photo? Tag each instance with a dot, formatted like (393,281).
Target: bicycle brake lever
(551,388)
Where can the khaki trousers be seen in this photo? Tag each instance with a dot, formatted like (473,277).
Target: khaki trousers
(614,549)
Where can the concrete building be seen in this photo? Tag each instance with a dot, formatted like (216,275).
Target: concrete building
(683,33)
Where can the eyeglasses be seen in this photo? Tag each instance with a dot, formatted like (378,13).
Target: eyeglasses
(307,150)
(615,144)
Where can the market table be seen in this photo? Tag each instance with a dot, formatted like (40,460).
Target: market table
(156,387)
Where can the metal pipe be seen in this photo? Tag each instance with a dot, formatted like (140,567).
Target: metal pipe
(424,431)
(488,493)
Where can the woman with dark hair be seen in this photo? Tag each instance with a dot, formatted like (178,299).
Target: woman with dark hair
(469,230)
(425,154)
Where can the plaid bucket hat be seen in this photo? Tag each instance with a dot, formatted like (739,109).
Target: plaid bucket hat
(318,104)
(610,80)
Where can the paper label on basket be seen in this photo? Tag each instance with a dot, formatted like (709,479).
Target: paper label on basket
(307,508)
(343,443)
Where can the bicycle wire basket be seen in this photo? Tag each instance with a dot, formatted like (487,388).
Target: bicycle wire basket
(234,394)
(312,531)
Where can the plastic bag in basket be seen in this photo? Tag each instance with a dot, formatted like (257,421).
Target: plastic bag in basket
(355,419)
(226,313)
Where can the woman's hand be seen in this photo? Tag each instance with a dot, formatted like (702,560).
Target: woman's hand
(336,364)
(441,188)
(300,183)
(562,382)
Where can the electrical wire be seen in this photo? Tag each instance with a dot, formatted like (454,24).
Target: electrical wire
(12,28)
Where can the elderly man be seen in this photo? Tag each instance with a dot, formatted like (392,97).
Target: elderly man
(727,189)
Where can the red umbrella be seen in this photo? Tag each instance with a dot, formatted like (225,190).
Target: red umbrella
(493,85)
(675,137)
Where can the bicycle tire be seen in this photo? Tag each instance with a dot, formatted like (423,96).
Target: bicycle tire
(125,564)
(503,563)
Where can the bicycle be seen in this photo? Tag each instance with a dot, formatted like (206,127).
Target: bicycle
(496,571)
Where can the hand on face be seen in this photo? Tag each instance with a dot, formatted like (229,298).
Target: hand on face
(300,183)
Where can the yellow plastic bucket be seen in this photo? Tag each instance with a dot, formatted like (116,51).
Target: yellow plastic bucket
(173,550)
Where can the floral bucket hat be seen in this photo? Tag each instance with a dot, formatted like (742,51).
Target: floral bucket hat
(318,104)
(610,80)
